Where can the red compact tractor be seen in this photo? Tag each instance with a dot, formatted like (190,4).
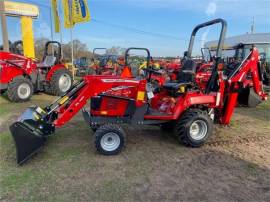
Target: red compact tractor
(104,64)
(179,106)
(159,76)
(21,76)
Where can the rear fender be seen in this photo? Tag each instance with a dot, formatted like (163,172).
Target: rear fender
(53,69)
(190,100)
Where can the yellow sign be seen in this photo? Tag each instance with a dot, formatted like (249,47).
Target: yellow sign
(21,9)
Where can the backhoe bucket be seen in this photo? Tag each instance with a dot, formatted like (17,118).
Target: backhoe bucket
(29,133)
(249,98)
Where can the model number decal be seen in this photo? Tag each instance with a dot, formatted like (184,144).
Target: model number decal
(118,80)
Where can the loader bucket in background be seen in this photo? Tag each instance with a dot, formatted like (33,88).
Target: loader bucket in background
(29,134)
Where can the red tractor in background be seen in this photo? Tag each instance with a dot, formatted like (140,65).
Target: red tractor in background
(21,76)
(180,106)
(169,71)
(204,68)
(159,74)
(104,64)
(16,47)
(173,67)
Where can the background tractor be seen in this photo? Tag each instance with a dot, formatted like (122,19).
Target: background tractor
(22,76)
(103,63)
(15,47)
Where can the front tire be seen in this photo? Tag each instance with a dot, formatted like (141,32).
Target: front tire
(20,89)
(194,128)
(109,139)
(94,127)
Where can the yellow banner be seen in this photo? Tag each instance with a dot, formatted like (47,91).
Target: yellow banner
(55,16)
(67,17)
(80,11)
(75,11)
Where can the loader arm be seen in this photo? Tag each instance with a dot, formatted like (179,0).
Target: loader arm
(33,127)
(70,104)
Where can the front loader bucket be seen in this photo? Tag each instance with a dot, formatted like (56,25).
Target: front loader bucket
(30,132)
(27,141)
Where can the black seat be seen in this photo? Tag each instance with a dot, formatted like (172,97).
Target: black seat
(185,76)
(187,72)
(172,86)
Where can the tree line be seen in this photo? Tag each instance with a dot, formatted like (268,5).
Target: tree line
(80,49)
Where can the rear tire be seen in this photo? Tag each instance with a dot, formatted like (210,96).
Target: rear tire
(194,128)
(20,89)
(109,139)
(61,82)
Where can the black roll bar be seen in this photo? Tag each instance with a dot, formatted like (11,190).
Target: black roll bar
(95,49)
(133,48)
(59,47)
(206,24)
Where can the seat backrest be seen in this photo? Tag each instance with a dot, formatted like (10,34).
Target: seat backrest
(189,65)
(187,72)
(49,61)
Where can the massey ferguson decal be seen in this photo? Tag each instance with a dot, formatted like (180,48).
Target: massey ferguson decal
(119,80)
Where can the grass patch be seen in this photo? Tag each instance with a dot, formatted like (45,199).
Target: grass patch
(252,169)
(3,110)
(265,105)
(5,139)
(235,123)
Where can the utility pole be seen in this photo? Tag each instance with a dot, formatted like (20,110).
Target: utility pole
(71,33)
(51,19)
(4,26)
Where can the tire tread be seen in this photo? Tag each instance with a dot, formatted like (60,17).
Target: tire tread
(13,86)
(182,124)
(103,129)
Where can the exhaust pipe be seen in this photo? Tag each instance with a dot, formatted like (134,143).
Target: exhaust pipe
(30,132)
